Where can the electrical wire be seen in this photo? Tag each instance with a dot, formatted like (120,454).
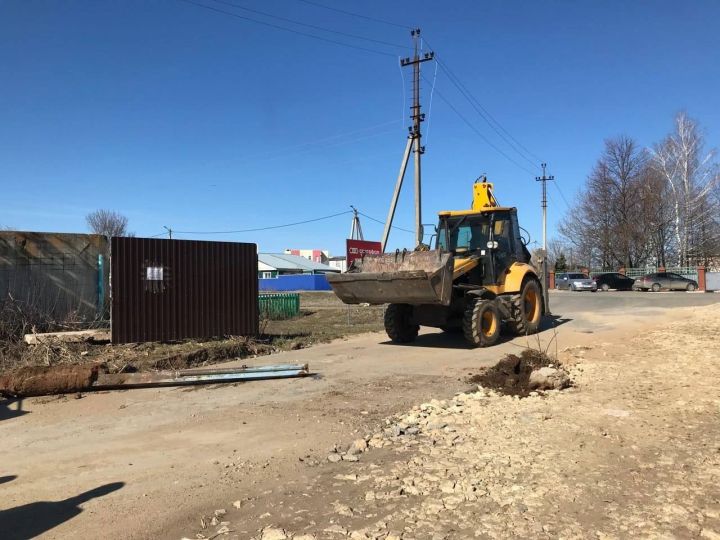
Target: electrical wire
(480,134)
(286,29)
(366,17)
(432,91)
(569,206)
(313,26)
(402,78)
(313,148)
(383,223)
(489,120)
(269,227)
(302,146)
(496,126)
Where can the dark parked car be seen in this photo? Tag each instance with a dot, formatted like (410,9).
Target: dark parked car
(613,280)
(665,280)
(574,281)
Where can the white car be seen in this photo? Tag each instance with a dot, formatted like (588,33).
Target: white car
(574,282)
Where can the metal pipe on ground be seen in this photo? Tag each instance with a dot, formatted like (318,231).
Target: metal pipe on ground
(42,381)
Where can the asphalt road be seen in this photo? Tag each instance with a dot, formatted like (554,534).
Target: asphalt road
(588,311)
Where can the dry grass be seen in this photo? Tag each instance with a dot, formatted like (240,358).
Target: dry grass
(322,318)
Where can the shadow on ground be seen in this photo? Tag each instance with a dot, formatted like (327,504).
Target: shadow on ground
(455,339)
(33,519)
(6,413)
(553,321)
(9,478)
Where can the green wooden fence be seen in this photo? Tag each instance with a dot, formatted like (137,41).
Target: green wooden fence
(279,305)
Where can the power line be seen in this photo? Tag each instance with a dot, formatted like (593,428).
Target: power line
(366,17)
(313,26)
(483,137)
(302,146)
(487,117)
(383,223)
(269,227)
(569,206)
(432,91)
(286,29)
(309,148)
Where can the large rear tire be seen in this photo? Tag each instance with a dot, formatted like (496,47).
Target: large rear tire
(526,309)
(481,323)
(398,323)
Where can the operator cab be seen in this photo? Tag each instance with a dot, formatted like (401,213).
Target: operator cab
(491,236)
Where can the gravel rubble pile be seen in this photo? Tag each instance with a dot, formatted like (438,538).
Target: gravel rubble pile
(632,449)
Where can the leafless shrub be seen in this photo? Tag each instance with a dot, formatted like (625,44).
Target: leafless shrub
(18,318)
(107,222)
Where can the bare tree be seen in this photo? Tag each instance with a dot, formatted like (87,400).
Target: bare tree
(108,223)
(691,176)
(605,227)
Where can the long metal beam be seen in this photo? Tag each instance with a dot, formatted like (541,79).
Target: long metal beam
(207,376)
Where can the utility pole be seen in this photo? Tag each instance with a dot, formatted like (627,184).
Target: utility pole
(413,143)
(356,230)
(169,230)
(544,179)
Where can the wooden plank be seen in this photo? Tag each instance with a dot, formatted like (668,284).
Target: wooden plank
(77,336)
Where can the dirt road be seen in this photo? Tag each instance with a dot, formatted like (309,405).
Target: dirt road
(633,445)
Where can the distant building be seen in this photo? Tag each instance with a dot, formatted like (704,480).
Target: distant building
(285,272)
(314,255)
(273,265)
(338,262)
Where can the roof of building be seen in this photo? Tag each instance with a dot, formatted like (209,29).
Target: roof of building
(282,261)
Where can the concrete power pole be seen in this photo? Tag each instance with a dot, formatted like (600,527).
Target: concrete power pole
(544,179)
(413,144)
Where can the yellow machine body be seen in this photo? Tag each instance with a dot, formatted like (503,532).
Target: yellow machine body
(438,287)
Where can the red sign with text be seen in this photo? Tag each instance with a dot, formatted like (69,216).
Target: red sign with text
(357,248)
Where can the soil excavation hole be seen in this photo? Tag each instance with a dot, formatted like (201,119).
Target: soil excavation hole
(511,375)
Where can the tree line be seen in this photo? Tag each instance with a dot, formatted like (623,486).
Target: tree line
(657,206)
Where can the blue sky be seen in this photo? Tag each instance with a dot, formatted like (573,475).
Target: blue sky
(177,115)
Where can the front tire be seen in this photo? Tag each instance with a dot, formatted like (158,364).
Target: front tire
(655,287)
(399,325)
(481,323)
(605,287)
(526,309)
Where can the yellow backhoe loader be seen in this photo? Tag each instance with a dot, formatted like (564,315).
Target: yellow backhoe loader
(477,279)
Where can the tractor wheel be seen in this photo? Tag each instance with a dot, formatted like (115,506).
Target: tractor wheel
(481,324)
(398,323)
(526,309)
(655,287)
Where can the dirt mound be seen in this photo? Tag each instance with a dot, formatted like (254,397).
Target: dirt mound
(511,375)
(41,380)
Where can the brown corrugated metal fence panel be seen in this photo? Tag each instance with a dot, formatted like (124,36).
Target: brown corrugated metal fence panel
(164,290)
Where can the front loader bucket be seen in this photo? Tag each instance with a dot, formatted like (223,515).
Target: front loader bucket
(407,277)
